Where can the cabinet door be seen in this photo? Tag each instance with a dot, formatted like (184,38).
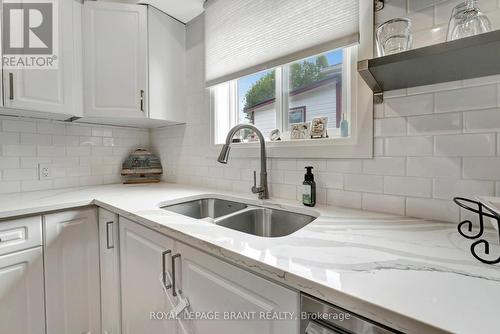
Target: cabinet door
(167,67)
(21,292)
(56,91)
(143,254)
(115,57)
(109,256)
(72,272)
(212,285)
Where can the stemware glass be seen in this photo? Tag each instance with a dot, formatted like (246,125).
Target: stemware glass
(467,20)
(394,36)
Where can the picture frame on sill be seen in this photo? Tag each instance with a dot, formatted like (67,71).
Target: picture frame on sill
(300,130)
(319,126)
(297,115)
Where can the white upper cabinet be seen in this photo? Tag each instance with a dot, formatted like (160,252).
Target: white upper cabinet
(134,60)
(52,93)
(115,60)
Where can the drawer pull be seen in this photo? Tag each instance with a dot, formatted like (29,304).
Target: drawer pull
(174,292)
(108,238)
(163,269)
(11,236)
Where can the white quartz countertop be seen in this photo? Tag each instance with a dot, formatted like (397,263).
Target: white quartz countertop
(414,275)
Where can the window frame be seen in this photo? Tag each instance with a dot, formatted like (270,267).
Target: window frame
(357,100)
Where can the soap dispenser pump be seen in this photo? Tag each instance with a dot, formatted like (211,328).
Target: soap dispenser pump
(309,188)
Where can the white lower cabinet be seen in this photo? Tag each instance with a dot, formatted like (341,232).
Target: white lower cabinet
(213,288)
(21,292)
(72,288)
(109,257)
(144,256)
(216,287)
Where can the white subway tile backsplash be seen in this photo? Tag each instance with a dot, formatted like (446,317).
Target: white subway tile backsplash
(385,166)
(33,162)
(482,168)
(9,125)
(318,165)
(364,183)
(432,209)
(293,177)
(36,185)
(378,147)
(408,186)
(51,128)
(434,88)
(409,105)
(78,130)
(466,145)
(19,174)
(389,127)
(408,146)
(348,199)
(10,187)
(344,166)
(449,188)
(9,138)
(330,180)
(482,120)
(35,139)
(434,167)
(76,153)
(51,151)
(470,98)
(9,162)
(435,124)
(19,150)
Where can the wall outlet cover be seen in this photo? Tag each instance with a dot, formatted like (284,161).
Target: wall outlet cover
(44,172)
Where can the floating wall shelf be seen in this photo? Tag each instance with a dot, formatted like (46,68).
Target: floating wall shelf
(466,58)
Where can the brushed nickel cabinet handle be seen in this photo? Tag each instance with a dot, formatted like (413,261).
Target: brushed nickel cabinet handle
(142,100)
(107,236)
(163,269)
(11,86)
(174,292)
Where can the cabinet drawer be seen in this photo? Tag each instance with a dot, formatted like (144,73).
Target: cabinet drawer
(19,234)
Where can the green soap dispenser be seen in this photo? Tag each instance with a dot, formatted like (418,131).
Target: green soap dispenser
(309,188)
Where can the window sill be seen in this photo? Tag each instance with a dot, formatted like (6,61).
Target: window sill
(308,148)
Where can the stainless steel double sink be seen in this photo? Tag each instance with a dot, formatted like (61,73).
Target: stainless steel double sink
(252,219)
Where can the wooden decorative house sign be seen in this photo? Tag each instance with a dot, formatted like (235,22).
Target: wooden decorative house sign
(141,167)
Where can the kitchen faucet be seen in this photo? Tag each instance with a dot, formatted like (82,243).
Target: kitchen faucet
(263,189)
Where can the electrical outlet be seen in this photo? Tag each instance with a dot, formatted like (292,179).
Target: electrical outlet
(43,172)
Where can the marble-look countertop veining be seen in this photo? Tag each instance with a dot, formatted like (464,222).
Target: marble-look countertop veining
(414,275)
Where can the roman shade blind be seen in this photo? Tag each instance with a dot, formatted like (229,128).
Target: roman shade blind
(246,36)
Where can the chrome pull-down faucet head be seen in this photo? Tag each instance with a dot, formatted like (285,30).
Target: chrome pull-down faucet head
(224,154)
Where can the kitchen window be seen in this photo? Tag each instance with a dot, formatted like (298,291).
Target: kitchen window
(276,99)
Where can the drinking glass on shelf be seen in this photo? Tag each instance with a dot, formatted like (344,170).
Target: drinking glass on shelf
(467,20)
(394,36)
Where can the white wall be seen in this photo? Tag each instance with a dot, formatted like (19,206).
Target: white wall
(78,155)
(432,143)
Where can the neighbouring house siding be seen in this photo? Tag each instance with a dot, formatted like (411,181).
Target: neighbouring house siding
(321,101)
(265,119)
